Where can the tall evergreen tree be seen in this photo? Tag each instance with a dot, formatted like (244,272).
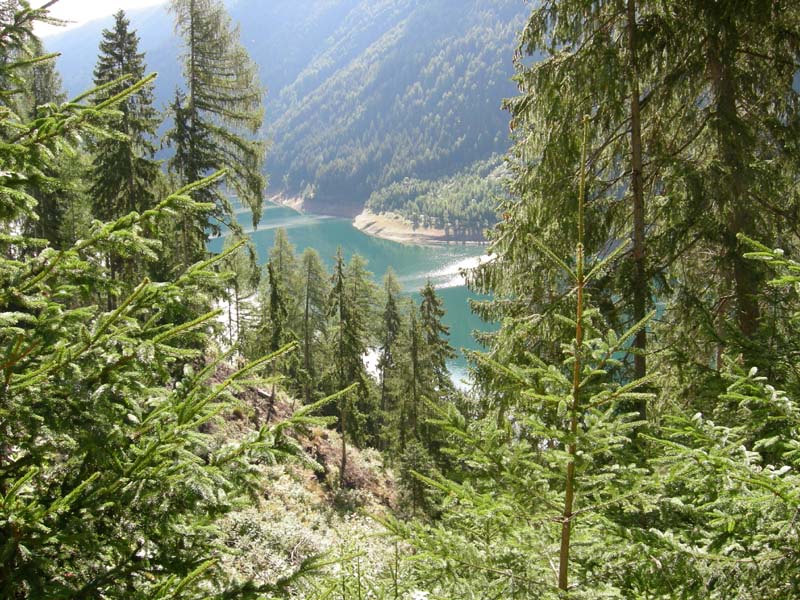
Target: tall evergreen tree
(315,293)
(391,329)
(278,331)
(415,380)
(729,170)
(346,372)
(437,347)
(284,261)
(216,117)
(109,487)
(123,170)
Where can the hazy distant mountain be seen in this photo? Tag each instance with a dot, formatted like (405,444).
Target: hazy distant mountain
(361,93)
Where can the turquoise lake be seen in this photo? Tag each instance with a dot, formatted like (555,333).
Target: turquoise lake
(413,264)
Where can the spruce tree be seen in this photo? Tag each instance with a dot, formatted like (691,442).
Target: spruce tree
(735,106)
(284,261)
(216,118)
(123,169)
(437,348)
(345,371)
(415,380)
(109,487)
(532,512)
(277,328)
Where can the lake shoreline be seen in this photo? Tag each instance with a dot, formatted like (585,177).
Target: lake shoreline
(391,226)
(386,226)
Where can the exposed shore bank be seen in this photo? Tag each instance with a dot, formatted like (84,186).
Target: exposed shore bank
(387,226)
(390,226)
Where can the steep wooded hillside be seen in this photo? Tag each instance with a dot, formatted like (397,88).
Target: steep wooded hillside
(361,93)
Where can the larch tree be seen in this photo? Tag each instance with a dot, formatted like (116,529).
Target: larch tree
(391,328)
(315,293)
(215,119)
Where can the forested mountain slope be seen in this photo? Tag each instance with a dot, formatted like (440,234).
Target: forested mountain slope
(362,93)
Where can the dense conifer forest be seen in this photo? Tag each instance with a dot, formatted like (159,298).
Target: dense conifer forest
(177,423)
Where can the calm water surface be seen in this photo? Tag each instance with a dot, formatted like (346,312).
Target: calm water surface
(413,264)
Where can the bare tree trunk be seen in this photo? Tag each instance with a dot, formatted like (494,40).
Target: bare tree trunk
(732,198)
(343,462)
(307,337)
(641,287)
(238,310)
(572,447)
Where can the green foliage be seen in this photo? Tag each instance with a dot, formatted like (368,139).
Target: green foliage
(216,118)
(464,205)
(426,79)
(110,484)
(417,498)
(123,169)
(31,90)
(124,173)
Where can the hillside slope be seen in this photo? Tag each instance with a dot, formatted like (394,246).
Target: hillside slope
(362,93)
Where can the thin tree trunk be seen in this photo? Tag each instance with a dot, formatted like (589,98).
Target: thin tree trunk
(572,447)
(641,287)
(238,310)
(382,445)
(307,336)
(343,462)
(732,197)
(414,399)
(230,323)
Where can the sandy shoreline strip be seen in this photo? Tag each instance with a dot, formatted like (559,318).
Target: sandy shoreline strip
(387,226)
(390,226)
(293,202)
